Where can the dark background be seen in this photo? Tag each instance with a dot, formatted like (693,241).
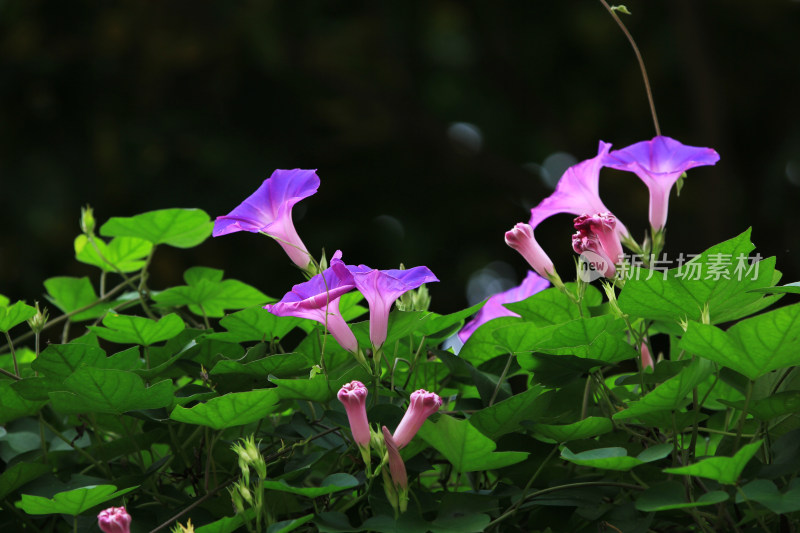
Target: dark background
(133,106)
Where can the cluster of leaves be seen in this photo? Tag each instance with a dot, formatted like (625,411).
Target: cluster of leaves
(549,422)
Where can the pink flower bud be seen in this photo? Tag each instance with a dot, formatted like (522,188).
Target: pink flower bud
(590,248)
(604,227)
(114,520)
(397,467)
(422,405)
(647,359)
(354,397)
(521,239)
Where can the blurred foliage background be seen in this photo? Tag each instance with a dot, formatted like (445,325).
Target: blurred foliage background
(434,125)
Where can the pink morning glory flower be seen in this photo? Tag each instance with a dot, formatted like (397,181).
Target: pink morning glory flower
(577,192)
(354,397)
(269,210)
(114,520)
(381,288)
(318,299)
(659,163)
(521,238)
(587,242)
(421,405)
(494,308)
(602,227)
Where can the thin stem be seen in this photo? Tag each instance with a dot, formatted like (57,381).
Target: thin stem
(81,451)
(500,380)
(67,316)
(9,374)
(13,354)
(639,59)
(568,486)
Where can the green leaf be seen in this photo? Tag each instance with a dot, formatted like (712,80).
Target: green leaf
(212,298)
(551,306)
(71,294)
(441,326)
(19,474)
(505,417)
(60,360)
(329,485)
(672,495)
(123,254)
(767,494)
(598,338)
(779,404)
(228,524)
(71,502)
(582,429)
(317,388)
(182,228)
(255,324)
(283,364)
(233,409)
(720,276)
(482,345)
(789,288)
(285,526)
(14,406)
(725,470)
(465,447)
(109,391)
(125,329)
(15,314)
(615,458)
(754,346)
(670,395)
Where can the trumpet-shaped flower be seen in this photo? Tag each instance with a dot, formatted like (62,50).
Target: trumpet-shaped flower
(114,520)
(520,238)
(353,396)
(577,192)
(659,163)
(494,308)
(318,299)
(422,404)
(269,210)
(381,288)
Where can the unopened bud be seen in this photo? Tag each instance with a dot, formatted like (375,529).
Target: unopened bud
(38,321)
(87,220)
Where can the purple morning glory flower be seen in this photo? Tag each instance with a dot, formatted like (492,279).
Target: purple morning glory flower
(577,192)
(494,308)
(381,288)
(269,210)
(659,163)
(318,299)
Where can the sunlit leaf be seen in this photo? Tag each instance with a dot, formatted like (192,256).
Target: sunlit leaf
(122,254)
(125,329)
(13,315)
(71,502)
(182,228)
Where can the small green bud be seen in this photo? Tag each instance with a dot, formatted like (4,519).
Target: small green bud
(38,321)
(87,220)
(621,8)
(679,184)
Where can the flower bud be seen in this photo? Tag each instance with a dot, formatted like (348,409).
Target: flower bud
(87,220)
(114,520)
(422,405)
(38,321)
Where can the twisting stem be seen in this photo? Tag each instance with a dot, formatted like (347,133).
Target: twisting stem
(641,64)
